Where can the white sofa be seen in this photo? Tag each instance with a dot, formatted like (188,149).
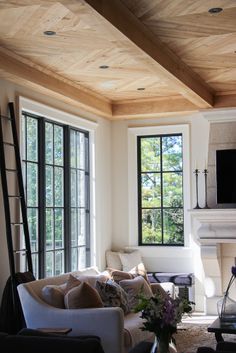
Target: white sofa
(118,332)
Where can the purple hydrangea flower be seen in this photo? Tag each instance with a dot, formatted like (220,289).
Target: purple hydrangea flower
(233,270)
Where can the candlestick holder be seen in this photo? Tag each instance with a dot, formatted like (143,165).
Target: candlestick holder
(205,171)
(196,172)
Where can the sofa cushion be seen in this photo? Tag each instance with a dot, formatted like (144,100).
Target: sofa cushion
(82,296)
(134,287)
(53,295)
(132,330)
(113,295)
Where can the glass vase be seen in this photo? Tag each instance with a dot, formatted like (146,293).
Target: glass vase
(160,346)
(226,308)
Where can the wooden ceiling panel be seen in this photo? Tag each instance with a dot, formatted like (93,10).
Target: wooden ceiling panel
(159,9)
(172,48)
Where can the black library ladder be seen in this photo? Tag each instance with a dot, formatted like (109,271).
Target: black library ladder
(9,150)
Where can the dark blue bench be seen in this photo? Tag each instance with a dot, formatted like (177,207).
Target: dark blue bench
(184,281)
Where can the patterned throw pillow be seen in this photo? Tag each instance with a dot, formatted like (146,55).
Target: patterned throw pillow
(112,295)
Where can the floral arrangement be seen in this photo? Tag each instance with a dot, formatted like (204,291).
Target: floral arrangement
(161,314)
(227,306)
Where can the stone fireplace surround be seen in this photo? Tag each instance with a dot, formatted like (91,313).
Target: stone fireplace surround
(214,229)
(210,229)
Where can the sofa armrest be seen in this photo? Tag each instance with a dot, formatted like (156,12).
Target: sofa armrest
(106,323)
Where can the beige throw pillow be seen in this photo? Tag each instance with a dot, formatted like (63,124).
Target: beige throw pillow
(130,260)
(53,295)
(134,287)
(113,260)
(82,296)
(71,283)
(118,276)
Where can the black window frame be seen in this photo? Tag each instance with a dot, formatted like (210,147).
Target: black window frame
(41,120)
(139,184)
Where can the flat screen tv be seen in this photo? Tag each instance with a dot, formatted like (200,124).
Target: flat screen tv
(226,176)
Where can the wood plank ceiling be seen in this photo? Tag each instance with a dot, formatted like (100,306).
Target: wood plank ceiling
(163,56)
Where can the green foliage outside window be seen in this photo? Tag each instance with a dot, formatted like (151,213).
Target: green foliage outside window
(161,190)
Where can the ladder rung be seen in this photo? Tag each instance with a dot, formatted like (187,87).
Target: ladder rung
(19,251)
(9,143)
(11,170)
(15,196)
(17,223)
(5,117)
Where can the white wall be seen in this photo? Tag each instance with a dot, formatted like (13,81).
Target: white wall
(176,259)
(11,92)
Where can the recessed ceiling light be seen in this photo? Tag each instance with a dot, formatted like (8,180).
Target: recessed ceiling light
(141,89)
(103,67)
(49,33)
(214,10)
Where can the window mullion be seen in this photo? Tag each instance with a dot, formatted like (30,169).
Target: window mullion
(67,199)
(41,198)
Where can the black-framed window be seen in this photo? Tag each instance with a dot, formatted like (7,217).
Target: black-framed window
(160,190)
(56,174)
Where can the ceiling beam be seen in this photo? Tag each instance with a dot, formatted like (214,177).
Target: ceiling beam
(54,86)
(160,59)
(151,108)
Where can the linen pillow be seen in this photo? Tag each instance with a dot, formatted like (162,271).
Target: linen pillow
(112,295)
(113,260)
(130,260)
(82,296)
(134,287)
(71,283)
(53,295)
(118,276)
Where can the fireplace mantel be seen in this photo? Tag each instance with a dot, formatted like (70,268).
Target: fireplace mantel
(210,229)
(211,226)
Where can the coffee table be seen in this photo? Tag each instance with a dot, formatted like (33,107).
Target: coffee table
(219,327)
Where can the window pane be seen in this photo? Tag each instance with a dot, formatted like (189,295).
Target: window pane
(73,148)
(58,145)
(150,154)
(49,229)
(82,257)
(59,262)
(81,189)
(58,185)
(81,227)
(32,139)
(151,190)
(49,143)
(73,188)
(49,186)
(173,226)
(32,216)
(59,228)
(172,153)
(49,264)
(32,182)
(151,226)
(80,150)
(74,227)
(35,265)
(172,190)
(74,259)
